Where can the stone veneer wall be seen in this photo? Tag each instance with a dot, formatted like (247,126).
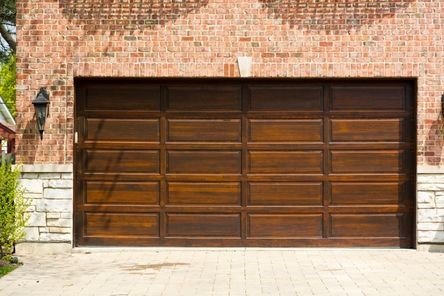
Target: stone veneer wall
(430,206)
(50,189)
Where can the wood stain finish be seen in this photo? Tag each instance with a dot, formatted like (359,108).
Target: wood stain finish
(204,162)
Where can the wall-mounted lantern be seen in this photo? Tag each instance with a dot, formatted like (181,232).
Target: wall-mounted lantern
(41,103)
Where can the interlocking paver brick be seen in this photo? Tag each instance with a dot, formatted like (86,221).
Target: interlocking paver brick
(229,272)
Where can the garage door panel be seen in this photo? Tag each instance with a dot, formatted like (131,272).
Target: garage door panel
(204,98)
(119,192)
(284,226)
(109,161)
(286,98)
(210,162)
(367,161)
(368,225)
(203,225)
(369,193)
(285,162)
(123,97)
(251,162)
(368,97)
(288,193)
(102,129)
(204,130)
(204,193)
(285,130)
(113,224)
(367,130)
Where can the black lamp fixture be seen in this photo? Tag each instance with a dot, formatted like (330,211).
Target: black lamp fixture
(41,109)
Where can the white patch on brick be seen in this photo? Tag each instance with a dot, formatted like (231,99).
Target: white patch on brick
(59,222)
(60,183)
(57,193)
(431,226)
(56,237)
(49,176)
(31,234)
(54,205)
(32,186)
(431,236)
(426,196)
(37,219)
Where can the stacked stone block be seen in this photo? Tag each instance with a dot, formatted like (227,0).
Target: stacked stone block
(49,189)
(430,201)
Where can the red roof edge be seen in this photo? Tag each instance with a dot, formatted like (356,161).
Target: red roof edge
(6,129)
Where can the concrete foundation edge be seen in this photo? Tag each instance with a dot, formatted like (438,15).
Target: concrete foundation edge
(40,248)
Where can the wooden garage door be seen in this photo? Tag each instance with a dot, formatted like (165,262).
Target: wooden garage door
(244,163)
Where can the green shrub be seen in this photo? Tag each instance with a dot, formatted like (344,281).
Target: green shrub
(13,208)
(8,82)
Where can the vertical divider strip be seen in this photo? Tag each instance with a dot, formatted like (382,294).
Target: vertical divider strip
(163,164)
(326,161)
(244,178)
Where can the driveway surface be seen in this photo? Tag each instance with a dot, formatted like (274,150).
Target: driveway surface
(229,272)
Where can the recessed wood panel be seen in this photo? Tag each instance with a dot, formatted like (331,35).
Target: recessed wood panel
(265,193)
(211,162)
(109,161)
(113,224)
(285,162)
(367,225)
(367,130)
(120,192)
(204,130)
(204,98)
(244,162)
(368,97)
(286,98)
(370,193)
(367,161)
(203,225)
(285,226)
(123,97)
(285,130)
(129,130)
(204,193)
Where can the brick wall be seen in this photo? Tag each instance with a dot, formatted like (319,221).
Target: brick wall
(60,40)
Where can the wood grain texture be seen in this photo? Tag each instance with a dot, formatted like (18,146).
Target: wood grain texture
(370,225)
(109,161)
(121,192)
(103,129)
(194,162)
(204,98)
(286,98)
(368,193)
(367,161)
(289,193)
(367,130)
(282,162)
(213,225)
(366,97)
(204,130)
(123,97)
(111,224)
(204,193)
(285,226)
(244,162)
(285,130)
